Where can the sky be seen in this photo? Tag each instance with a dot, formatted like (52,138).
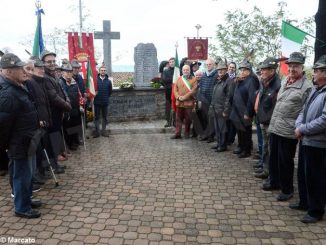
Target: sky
(161,22)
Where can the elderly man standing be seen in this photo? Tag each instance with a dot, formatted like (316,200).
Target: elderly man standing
(221,104)
(290,100)
(18,118)
(311,130)
(167,77)
(206,86)
(184,92)
(264,106)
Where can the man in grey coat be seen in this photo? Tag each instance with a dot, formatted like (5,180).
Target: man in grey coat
(311,130)
(290,100)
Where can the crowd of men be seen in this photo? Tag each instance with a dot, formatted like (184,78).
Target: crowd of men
(42,113)
(220,104)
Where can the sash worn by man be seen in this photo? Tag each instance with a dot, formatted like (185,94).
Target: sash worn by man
(184,91)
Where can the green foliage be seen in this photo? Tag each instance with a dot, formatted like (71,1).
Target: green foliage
(243,33)
(156,82)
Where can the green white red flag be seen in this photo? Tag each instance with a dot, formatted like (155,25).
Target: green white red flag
(292,39)
(176,75)
(90,87)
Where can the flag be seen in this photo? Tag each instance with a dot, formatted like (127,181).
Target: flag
(176,75)
(292,39)
(197,48)
(38,45)
(90,82)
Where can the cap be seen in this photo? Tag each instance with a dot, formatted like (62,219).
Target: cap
(245,64)
(320,63)
(46,53)
(57,68)
(75,64)
(37,61)
(221,65)
(10,60)
(195,63)
(296,57)
(269,62)
(66,67)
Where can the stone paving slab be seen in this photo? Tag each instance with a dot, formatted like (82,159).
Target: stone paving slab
(148,189)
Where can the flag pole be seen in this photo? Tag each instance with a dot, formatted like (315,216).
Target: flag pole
(80,23)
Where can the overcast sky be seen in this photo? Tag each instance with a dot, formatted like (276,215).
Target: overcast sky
(162,22)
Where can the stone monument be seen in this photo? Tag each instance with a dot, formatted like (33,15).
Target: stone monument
(107,35)
(146,64)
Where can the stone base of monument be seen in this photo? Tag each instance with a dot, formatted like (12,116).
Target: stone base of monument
(138,104)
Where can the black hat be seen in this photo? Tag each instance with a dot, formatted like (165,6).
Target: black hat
(66,67)
(195,63)
(46,53)
(320,63)
(75,64)
(10,60)
(37,61)
(245,64)
(268,63)
(296,57)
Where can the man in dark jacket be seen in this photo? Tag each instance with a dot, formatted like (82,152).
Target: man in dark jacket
(221,105)
(18,116)
(101,102)
(311,130)
(265,103)
(59,103)
(204,97)
(243,108)
(167,78)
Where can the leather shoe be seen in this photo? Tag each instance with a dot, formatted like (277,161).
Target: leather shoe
(210,140)
(96,135)
(282,197)
(269,187)
(175,137)
(237,151)
(36,203)
(59,170)
(262,175)
(298,206)
(61,166)
(32,214)
(202,138)
(105,134)
(307,219)
(221,149)
(258,170)
(214,147)
(244,155)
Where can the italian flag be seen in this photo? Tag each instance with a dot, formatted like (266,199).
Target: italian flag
(176,75)
(292,39)
(90,81)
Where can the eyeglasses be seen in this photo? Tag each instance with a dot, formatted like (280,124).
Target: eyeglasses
(50,61)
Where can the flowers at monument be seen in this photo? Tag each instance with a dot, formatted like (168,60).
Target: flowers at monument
(128,84)
(156,82)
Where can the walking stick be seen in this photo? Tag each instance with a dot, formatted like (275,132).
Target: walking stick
(51,169)
(63,139)
(83,129)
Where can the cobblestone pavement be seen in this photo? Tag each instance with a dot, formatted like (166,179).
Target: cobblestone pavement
(148,189)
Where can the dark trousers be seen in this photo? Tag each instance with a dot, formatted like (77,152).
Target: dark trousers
(232,132)
(183,115)
(282,154)
(101,110)
(274,176)
(3,160)
(301,175)
(220,131)
(245,139)
(315,166)
(168,116)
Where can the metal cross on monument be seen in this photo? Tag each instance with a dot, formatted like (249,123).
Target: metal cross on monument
(107,35)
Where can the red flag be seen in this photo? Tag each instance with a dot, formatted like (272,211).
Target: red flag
(197,49)
(83,54)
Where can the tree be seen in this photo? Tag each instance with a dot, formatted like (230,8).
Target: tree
(253,33)
(320,18)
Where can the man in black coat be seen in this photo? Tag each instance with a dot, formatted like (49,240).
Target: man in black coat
(266,100)
(167,78)
(19,123)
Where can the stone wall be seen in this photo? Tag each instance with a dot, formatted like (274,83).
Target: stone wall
(136,104)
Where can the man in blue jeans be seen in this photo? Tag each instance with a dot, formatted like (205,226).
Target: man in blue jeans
(101,102)
(18,117)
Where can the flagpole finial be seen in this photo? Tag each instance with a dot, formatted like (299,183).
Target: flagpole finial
(38,4)
(176,45)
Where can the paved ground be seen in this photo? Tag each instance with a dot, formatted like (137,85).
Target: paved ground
(148,189)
